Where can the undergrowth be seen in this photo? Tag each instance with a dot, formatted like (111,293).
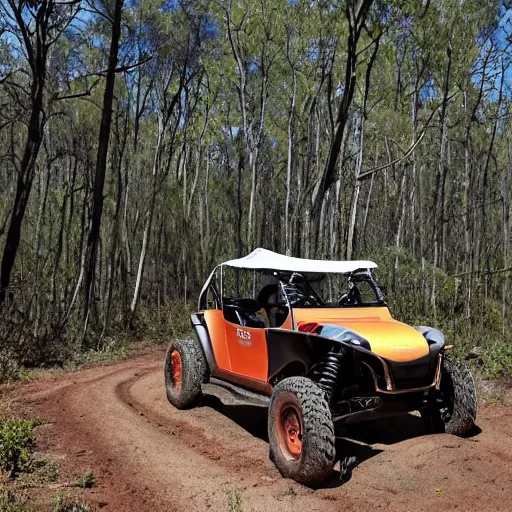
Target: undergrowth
(234,502)
(480,338)
(16,446)
(86,481)
(68,504)
(9,502)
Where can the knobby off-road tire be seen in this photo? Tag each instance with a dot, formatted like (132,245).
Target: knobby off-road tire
(457,401)
(301,431)
(185,370)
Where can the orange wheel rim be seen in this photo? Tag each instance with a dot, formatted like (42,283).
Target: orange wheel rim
(176,369)
(290,432)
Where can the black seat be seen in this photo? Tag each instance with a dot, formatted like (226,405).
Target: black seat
(242,311)
(269,299)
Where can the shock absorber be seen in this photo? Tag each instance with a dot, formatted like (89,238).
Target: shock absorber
(329,370)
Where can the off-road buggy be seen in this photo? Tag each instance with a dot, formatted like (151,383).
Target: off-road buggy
(316,342)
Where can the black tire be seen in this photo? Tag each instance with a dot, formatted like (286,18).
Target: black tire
(453,409)
(311,462)
(184,387)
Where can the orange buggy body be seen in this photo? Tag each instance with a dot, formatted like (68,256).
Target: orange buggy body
(315,341)
(255,355)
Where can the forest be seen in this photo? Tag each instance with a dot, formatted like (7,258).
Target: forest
(144,141)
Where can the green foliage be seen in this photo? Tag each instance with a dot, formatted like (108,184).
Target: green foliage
(164,323)
(497,360)
(9,503)
(411,304)
(234,502)
(68,504)
(86,481)
(16,446)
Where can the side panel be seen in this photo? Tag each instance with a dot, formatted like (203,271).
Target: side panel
(293,347)
(247,351)
(215,323)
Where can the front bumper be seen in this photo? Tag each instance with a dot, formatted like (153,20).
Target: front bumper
(411,377)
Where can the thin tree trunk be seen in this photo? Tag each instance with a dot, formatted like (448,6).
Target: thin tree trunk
(441,178)
(101,161)
(355,194)
(28,163)
(289,166)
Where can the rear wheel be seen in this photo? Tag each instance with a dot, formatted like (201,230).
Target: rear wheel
(300,431)
(453,408)
(185,370)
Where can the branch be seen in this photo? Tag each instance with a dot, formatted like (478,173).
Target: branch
(366,174)
(483,272)
(122,69)
(425,10)
(94,10)
(71,96)
(87,92)
(6,77)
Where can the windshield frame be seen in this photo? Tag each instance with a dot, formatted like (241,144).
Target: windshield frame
(359,275)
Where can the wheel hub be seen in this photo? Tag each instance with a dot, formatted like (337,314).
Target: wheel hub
(291,432)
(176,369)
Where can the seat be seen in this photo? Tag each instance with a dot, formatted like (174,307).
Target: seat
(245,311)
(269,299)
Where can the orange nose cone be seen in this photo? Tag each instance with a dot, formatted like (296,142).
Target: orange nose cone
(388,338)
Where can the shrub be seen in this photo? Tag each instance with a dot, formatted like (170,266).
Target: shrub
(8,502)
(497,360)
(164,323)
(16,446)
(234,502)
(67,504)
(86,481)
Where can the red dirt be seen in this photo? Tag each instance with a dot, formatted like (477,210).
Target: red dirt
(148,456)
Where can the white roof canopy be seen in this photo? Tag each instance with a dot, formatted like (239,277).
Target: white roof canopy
(263,259)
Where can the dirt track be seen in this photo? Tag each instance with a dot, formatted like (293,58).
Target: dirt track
(149,456)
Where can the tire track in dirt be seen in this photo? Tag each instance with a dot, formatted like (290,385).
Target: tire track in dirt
(147,455)
(194,434)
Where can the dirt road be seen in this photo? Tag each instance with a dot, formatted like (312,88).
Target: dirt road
(149,456)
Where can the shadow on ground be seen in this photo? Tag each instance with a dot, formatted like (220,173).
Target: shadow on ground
(386,431)
(251,418)
(354,443)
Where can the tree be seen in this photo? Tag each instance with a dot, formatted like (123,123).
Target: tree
(114,17)
(36,27)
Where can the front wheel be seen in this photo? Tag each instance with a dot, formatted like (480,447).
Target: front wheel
(453,408)
(185,370)
(301,431)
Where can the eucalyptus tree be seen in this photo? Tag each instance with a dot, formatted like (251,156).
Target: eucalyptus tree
(112,13)
(33,28)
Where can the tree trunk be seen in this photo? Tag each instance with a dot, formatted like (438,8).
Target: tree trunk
(289,166)
(441,178)
(25,176)
(101,160)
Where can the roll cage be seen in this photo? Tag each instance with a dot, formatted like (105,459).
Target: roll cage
(295,289)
